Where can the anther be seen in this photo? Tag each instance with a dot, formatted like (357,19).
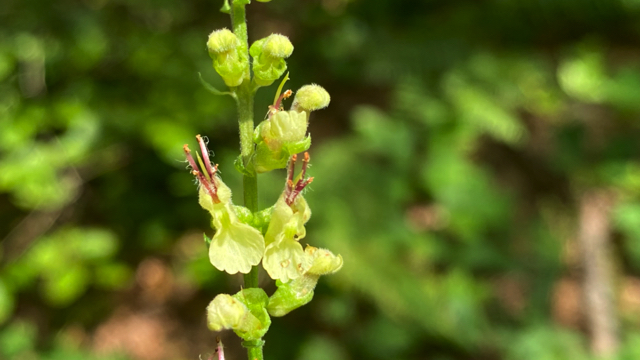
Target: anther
(205,156)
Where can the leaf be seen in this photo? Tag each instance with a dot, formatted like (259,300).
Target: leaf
(212,88)
(226,9)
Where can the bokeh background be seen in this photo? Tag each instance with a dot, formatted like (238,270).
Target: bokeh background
(478,169)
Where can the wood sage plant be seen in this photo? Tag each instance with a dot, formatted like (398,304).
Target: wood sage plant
(247,236)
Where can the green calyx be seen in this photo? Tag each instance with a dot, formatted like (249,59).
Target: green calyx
(256,300)
(286,299)
(259,220)
(267,159)
(229,59)
(244,312)
(268,58)
(279,137)
(298,292)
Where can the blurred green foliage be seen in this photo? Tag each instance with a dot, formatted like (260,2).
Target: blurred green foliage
(447,171)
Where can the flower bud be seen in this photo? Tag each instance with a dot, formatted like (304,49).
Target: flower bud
(323,261)
(268,58)
(222,41)
(228,58)
(311,98)
(277,46)
(257,322)
(244,312)
(225,312)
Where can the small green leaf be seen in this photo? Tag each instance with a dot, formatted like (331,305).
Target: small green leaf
(245,215)
(239,165)
(297,147)
(207,240)
(287,299)
(212,88)
(225,7)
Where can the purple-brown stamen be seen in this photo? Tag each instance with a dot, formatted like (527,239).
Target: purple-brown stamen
(277,106)
(205,156)
(208,183)
(293,189)
(219,349)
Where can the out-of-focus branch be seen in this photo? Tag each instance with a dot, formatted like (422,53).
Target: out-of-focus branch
(595,243)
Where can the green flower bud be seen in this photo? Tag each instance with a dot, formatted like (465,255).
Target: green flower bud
(222,41)
(256,325)
(311,98)
(277,46)
(323,261)
(236,246)
(244,312)
(225,312)
(268,58)
(229,60)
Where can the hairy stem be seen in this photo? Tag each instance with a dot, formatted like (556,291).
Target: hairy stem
(245,118)
(255,353)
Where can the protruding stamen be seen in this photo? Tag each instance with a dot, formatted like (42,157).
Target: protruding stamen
(209,187)
(291,168)
(206,180)
(192,162)
(299,187)
(205,156)
(305,164)
(219,349)
(277,104)
(284,95)
(293,189)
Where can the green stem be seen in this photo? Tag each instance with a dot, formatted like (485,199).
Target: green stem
(255,353)
(244,99)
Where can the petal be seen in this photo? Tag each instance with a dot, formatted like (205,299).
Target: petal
(322,261)
(284,259)
(236,247)
(280,217)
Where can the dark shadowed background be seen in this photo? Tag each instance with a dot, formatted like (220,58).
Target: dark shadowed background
(478,169)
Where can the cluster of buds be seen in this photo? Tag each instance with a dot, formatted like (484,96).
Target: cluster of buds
(231,62)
